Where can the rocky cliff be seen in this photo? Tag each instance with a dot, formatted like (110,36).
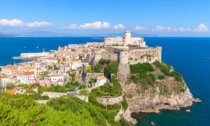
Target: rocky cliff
(151,87)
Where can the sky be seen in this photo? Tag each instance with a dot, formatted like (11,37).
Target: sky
(86,17)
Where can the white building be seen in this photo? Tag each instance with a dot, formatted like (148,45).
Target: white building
(27,78)
(124,41)
(101,80)
(75,65)
(57,80)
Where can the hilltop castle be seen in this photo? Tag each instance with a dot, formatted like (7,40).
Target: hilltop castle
(126,50)
(127,40)
(129,50)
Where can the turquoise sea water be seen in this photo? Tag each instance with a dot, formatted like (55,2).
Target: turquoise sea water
(189,56)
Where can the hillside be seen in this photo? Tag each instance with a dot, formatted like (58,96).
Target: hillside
(151,87)
(19,110)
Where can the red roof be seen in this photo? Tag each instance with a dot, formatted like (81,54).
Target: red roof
(29,73)
(10,91)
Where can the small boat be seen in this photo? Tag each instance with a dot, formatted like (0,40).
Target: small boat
(37,47)
(16,57)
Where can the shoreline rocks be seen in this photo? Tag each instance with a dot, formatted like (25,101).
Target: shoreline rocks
(196,100)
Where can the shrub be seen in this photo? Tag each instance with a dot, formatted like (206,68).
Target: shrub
(10,86)
(178,88)
(161,77)
(106,90)
(141,68)
(177,76)
(166,70)
(124,104)
(53,89)
(84,92)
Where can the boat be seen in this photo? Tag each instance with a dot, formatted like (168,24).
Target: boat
(16,57)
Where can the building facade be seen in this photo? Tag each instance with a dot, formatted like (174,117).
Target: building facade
(124,41)
(10,71)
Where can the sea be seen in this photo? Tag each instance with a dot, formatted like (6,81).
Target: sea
(188,55)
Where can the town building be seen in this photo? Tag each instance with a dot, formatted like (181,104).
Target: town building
(10,71)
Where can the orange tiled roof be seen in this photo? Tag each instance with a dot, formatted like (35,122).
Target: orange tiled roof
(29,73)
(10,91)
(10,67)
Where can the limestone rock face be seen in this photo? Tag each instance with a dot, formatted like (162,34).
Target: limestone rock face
(123,72)
(153,102)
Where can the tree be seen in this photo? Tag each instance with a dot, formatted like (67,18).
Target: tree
(10,86)
(113,67)
(84,92)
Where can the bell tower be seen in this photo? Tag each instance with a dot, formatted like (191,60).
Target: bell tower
(127,39)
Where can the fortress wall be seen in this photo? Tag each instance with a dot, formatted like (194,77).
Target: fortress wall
(110,56)
(113,41)
(97,58)
(149,55)
(109,49)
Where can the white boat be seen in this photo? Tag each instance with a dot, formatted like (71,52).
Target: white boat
(16,57)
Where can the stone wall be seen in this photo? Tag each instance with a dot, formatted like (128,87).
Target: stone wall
(110,100)
(110,56)
(144,55)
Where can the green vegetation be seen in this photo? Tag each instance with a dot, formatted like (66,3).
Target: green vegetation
(72,75)
(38,96)
(113,67)
(123,122)
(124,103)
(26,86)
(141,68)
(84,92)
(88,68)
(140,75)
(55,67)
(10,86)
(107,90)
(106,66)
(98,68)
(161,77)
(22,110)
(166,70)
(145,74)
(178,88)
(52,89)
(163,90)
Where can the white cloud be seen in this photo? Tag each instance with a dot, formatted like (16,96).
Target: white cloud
(72,26)
(201,28)
(140,28)
(92,25)
(163,28)
(17,22)
(119,26)
(181,29)
(95,25)
(38,24)
(13,22)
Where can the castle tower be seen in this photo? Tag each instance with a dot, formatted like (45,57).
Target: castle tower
(123,57)
(127,39)
(123,68)
(159,49)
